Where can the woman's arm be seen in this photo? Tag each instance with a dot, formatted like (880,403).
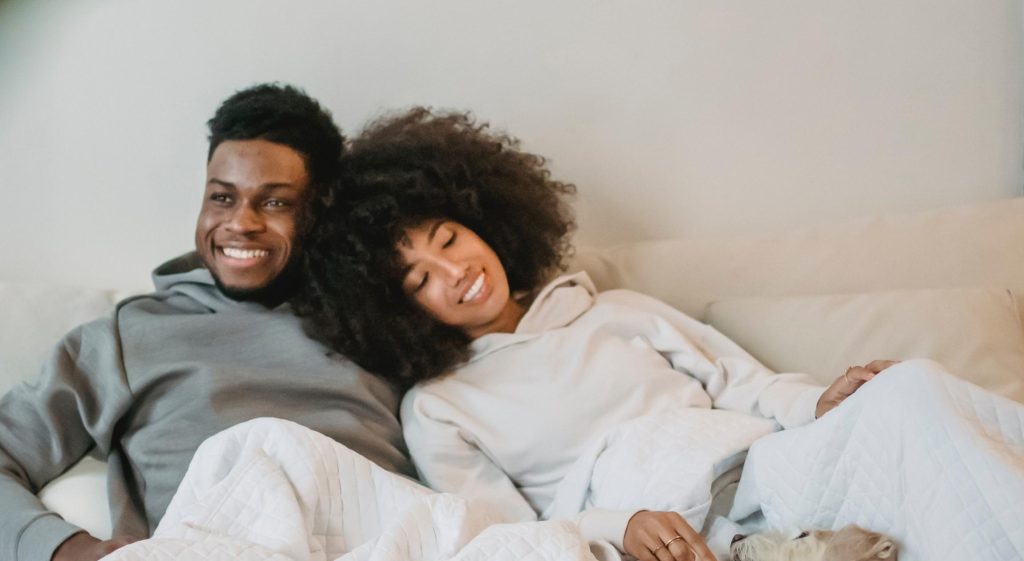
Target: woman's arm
(449,461)
(732,377)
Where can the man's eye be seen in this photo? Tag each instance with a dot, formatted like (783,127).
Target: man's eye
(450,241)
(220,198)
(803,535)
(276,203)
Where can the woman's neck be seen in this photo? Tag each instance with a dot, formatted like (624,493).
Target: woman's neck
(506,322)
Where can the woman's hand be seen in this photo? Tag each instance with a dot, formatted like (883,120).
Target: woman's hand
(849,382)
(664,536)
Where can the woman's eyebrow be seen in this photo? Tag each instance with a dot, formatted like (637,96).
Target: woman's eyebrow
(433,230)
(405,272)
(407,242)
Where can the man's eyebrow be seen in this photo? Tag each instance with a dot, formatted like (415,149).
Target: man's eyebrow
(264,187)
(280,185)
(220,182)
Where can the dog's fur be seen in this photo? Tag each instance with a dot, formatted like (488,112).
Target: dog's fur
(851,543)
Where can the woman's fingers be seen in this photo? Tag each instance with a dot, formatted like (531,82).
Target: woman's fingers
(660,538)
(680,550)
(664,536)
(656,546)
(646,555)
(877,366)
(855,376)
(641,539)
(670,552)
(694,548)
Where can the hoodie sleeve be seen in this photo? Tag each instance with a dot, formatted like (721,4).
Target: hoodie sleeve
(605,525)
(733,378)
(449,461)
(47,425)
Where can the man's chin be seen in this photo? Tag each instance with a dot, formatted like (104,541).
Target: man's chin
(270,294)
(240,293)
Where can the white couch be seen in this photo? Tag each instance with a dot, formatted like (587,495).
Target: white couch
(940,285)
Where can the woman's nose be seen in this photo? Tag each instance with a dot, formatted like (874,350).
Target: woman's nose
(453,270)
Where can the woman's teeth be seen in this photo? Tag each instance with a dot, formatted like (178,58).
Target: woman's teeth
(236,253)
(474,290)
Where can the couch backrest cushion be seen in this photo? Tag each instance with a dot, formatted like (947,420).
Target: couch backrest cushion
(975,333)
(976,246)
(34,319)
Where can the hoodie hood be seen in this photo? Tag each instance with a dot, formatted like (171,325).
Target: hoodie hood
(186,275)
(557,305)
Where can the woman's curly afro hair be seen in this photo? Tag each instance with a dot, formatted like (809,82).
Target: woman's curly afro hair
(399,172)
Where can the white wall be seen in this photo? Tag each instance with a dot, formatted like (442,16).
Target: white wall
(674,117)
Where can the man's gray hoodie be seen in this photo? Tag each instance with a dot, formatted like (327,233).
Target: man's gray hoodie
(144,387)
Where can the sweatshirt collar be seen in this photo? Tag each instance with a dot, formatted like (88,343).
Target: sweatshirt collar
(188,276)
(557,305)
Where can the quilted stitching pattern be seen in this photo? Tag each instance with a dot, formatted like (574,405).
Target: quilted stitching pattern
(272,490)
(669,460)
(917,453)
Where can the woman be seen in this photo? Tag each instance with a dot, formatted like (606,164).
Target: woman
(430,268)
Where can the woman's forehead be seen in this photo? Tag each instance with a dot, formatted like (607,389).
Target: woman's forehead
(421,232)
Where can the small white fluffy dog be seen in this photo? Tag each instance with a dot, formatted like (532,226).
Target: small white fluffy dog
(851,543)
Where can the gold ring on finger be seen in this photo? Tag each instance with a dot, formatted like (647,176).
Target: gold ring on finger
(657,549)
(673,540)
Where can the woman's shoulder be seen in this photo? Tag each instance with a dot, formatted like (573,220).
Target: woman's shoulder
(633,300)
(416,401)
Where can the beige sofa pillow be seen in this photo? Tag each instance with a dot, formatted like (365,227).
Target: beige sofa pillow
(975,333)
(972,246)
(35,318)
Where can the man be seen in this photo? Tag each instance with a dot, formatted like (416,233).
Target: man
(214,346)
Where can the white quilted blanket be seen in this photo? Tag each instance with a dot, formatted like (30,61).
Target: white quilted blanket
(918,454)
(271,490)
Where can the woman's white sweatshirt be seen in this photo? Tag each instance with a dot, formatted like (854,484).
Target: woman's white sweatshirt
(508,426)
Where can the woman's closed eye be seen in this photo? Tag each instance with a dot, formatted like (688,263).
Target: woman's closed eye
(451,241)
(422,283)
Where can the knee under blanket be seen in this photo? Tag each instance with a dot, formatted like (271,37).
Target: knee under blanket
(272,490)
(916,453)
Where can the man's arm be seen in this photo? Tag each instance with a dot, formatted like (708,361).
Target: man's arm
(49,424)
(84,547)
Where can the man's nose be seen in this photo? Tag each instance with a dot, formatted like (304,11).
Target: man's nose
(244,219)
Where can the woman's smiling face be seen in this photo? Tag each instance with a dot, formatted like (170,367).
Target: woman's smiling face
(457,278)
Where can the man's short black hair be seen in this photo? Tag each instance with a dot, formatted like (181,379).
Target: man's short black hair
(285,115)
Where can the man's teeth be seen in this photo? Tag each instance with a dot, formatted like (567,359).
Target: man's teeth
(478,284)
(236,253)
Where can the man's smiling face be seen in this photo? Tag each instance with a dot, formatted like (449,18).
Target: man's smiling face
(256,195)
